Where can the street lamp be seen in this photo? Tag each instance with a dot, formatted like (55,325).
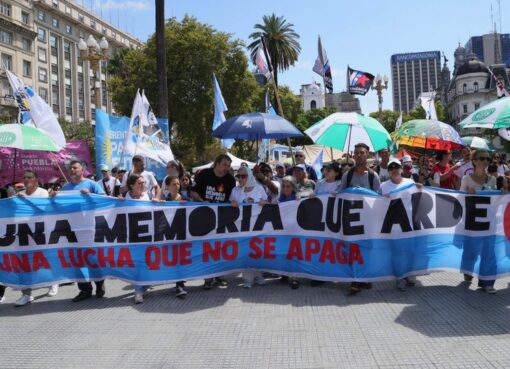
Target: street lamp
(379,87)
(94,52)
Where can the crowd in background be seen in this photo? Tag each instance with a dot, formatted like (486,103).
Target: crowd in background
(472,171)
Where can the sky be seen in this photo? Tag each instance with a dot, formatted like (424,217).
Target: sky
(362,33)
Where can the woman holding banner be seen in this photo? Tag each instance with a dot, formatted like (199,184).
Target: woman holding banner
(248,191)
(479,180)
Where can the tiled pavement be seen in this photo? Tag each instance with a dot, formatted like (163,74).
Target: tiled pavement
(440,323)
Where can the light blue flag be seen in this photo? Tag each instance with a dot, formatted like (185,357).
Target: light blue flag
(317,164)
(219,112)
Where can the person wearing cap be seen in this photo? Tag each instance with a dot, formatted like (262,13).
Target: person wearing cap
(108,182)
(304,187)
(396,181)
(151,186)
(332,181)
(300,159)
(280,172)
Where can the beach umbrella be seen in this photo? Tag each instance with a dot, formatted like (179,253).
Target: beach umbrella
(478,143)
(344,130)
(493,115)
(255,126)
(24,137)
(428,134)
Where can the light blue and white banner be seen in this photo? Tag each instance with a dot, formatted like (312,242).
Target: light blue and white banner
(111,134)
(356,235)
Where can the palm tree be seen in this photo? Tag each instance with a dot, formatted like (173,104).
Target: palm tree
(281,42)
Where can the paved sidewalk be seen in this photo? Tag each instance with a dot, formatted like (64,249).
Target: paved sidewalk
(440,323)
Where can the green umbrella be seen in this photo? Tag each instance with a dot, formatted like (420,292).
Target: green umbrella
(24,137)
(478,143)
(344,130)
(493,115)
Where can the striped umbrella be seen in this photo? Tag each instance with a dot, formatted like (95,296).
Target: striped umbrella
(428,134)
(344,130)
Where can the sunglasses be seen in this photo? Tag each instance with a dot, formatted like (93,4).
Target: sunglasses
(241,176)
(484,158)
(393,167)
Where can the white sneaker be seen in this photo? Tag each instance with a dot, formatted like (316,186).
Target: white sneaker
(23,300)
(180,292)
(2,299)
(260,281)
(490,289)
(138,298)
(53,290)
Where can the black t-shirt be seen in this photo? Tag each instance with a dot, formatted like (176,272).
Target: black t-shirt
(212,188)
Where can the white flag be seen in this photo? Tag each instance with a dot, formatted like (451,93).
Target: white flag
(144,135)
(399,122)
(428,104)
(35,111)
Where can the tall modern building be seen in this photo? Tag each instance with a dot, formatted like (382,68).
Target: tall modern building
(39,42)
(412,74)
(493,48)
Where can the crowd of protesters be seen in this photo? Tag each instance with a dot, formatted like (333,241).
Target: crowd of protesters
(473,171)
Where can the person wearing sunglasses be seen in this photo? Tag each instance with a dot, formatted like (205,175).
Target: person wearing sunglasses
(248,191)
(299,157)
(32,189)
(395,182)
(472,183)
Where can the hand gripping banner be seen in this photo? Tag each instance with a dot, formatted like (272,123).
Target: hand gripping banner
(356,235)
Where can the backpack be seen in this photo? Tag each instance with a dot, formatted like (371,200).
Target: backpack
(371,176)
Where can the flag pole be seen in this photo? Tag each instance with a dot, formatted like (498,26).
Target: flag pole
(275,87)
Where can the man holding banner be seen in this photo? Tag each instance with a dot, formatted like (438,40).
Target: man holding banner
(86,186)
(151,185)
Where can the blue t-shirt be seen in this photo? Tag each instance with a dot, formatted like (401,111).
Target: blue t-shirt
(92,186)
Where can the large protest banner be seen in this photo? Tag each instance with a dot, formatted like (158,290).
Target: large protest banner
(110,138)
(355,235)
(44,163)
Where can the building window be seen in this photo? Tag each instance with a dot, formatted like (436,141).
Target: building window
(68,10)
(477,106)
(55,23)
(67,73)
(67,50)
(54,44)
(475,86)
(7,61)
(54,99)
(54,69)
(5,8)
(27,68)
(313,104)
(43,93)
(5,37)
(41,54)
(43,75)
(55,3)
(69,29)
(25,17)
(464,88)
(81,18)
(464,108)
(41,34)
(26,44)
(41,16)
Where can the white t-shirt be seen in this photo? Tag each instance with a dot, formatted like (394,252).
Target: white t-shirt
(110,183)
(257,194)
(324,187)
(144,197)
(467,182)
(465,168)
(40,192)
(502,168)
(389,186)
(150,181)
(383,174)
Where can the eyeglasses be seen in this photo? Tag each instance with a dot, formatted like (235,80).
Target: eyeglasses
(104,171)
(241,176)
(484,158)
